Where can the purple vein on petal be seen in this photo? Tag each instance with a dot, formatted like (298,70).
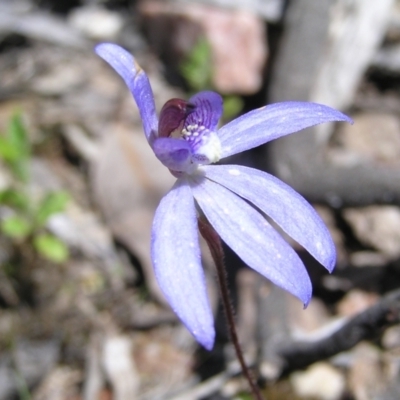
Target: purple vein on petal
(280,202)
(252,238)
(176,257)
(208,111)
(136,80)
(271,122)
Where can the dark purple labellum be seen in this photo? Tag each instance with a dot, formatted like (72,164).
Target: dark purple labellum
(173,116)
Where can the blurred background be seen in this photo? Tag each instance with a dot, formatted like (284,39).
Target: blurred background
(81,316)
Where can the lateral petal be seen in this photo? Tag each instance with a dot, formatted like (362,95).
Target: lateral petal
(176,258)
(175,154)
(208,110)
(136,80)
(251,237)
(271,122)
(283,204)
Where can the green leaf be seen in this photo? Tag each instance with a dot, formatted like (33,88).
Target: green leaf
(7,150)
(52,203)
(15,198)
(15,148)
(196,69)
(233,105)
(18,137)
(20,169)
(244,396)
(16,227)
(51,248)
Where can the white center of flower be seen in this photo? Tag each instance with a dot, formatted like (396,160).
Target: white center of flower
(205,144)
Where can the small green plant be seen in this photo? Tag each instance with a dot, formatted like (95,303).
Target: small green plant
(24,218)
(196,69)
(244,396)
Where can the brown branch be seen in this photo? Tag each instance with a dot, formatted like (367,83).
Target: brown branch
(364,326)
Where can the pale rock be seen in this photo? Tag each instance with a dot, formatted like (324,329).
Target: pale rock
(374,137)
(323,54)
(313,318)
(119,366)
(16,6)
(355,302)
(233,387)
(346,49)
(366,377)
(60,384)
(87,148)
(237,40)
(271,10)
(391,337)
(163,363)
(82,230)
(41,26)
(320,381)
(393,32)
(376,226)
(365,258)
(96,22)
(60,79)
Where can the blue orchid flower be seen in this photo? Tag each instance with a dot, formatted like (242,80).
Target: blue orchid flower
(186,139)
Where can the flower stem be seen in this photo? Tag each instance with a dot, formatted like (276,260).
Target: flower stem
(214,243)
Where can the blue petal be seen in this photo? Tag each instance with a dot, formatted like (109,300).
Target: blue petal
(176,257)
(208,110)
(280,202)
(137,82)
(175,154)
(271,122)
(251,237)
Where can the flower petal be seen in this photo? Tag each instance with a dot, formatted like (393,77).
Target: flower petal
(137,82)
(251,237)
(175,154)
(271,122)
(208,110)
(176,257)
(280,202)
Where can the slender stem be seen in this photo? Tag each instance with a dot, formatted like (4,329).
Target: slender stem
(217,253)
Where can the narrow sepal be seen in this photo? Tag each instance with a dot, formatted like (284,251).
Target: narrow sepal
(136,80)
(273,121)
(177,262)
(251,237)
(281,203)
